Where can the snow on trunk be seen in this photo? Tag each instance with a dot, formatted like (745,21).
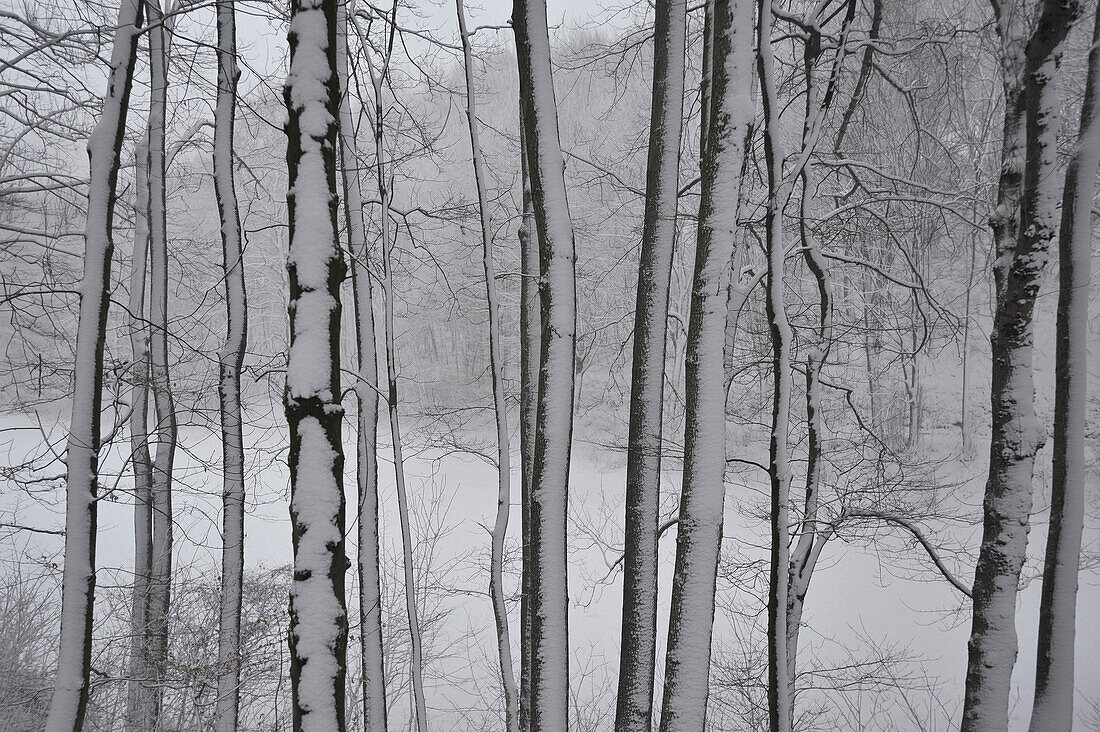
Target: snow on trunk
(699,534)
(315,265)
(70,693)
(548,574)
(779,681)
(160,582)
(373,678)
(230,359)
(500,405)
(1053,710)
(638,645)
(1017,433)
(530,335)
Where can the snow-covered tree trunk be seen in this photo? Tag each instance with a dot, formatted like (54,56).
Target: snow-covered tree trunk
(500,406)
(1054,691)
(548,574)
(1017,433)
(530,336)
(139,700)
(70,694)
(373,677)
(315,265)
(160,583)
(779,681)
(638,645)
(229,376)
(699,537)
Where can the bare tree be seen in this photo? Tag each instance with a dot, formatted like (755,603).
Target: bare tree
(160,582)
(229,376)
(1054,690)
(315,265)
(70,695)
(500,405)
(702,500)
(366,390)
(139,702)
(1017,433)
(548,654)
(638,645)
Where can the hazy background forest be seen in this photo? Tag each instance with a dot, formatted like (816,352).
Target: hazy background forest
(905,184)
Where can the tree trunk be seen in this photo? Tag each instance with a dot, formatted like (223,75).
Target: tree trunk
(638,646)
(699,537)
(160,583)
(315,265)
(1017,434)
(1053,710)
(779,681)
(530,335)
(139,702)
(366,385)
(500,406)
(549,592)
(229,376)
(70,694)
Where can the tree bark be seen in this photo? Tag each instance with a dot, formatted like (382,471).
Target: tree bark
(779,681)
(1017,434)
(699,537)
(530,334)
(315,265)
(229,376)
(549,592)
(638,645)
(70,694)
(160,583)
(139,701)
(500,405)
(366,390)
(1053,710)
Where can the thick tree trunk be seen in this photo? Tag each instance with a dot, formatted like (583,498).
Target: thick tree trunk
(315,265)
(779,681)
(638,645)
(139,700)
(1017,434)
(548,576)
(500,405)
(160,583)
(229,376)
(530,335)
(1053,710)
(370,584)
(70,694)
(699,537)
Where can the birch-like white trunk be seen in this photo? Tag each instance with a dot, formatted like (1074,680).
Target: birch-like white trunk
(373,677)
(548,574)
(138,698)
(702,500)
(230,359)
(500,405)
(1017,433)
(70,692)
(315,265)
(638,643)
(1054,690)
